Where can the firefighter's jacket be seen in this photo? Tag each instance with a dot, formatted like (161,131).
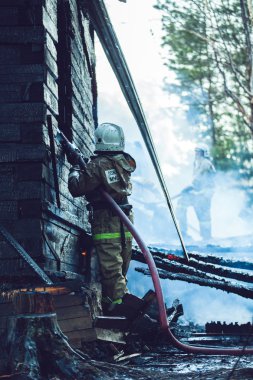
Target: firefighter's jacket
(111,172)
(203,176)
(108,171)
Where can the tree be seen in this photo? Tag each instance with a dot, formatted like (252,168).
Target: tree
(210,48)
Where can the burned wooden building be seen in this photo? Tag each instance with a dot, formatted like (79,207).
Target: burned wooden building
(47,84)
(47,64)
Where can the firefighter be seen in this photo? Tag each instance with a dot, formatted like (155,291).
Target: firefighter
(110,168)
(199,194)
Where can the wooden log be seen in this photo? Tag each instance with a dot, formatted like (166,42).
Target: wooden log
(31,133)
(36,13)
(34,346)
(22,113)
(29,73)
(30,171)
(19,3)
(200,265)
(23,190)
(10,133)
(23,229)
(16,270)
(8,210)
(210,281)
(29,92)
(21,153)
(7,252)
(32,245)
(22,34)
(29,208)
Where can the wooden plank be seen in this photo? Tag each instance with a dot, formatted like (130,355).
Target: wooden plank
(50,209)
(32,246)
(51,83)
(19,153)
(75,324)
(23,191)
(66,300)
(23,229)
(22,34)
(105,322)
(51,45)
(12,93)
(15,69)
(87,335)
(22,112)
(51,7)
(72,312)
(20,3)
(82,115)
(8,210)
(16,268)
(51,63)
(50,25)
(7,252)
(110,335)
(89,41)
(51,100)
(10,133)
(86,144)
(32,133)
(30,171)
(29,208)
(22,73)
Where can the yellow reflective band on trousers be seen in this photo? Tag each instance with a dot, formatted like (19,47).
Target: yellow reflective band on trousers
(110,235)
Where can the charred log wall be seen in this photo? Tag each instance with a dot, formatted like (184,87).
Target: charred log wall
(46,67)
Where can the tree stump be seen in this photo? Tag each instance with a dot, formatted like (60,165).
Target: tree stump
(34,348)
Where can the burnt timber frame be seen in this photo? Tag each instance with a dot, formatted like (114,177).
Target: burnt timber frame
(43,71)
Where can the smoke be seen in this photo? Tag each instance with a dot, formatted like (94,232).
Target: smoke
(174,139)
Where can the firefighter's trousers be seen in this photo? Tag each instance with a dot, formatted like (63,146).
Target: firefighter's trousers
(114,248)
(202,207)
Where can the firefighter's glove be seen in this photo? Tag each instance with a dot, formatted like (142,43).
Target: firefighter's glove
(73,155)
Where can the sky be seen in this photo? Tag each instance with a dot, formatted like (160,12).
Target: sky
(138,27)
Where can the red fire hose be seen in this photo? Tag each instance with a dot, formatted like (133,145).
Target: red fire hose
(159,294)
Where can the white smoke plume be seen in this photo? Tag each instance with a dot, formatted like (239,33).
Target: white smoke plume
(138,27)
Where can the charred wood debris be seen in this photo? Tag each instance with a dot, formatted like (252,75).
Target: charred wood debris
(202,269)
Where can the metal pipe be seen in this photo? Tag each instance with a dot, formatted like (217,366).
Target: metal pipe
(108,38)
(159,294)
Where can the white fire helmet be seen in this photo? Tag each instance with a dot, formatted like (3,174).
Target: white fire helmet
(203,148)
(109,137)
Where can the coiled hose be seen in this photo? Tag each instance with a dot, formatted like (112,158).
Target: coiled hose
(159,294)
